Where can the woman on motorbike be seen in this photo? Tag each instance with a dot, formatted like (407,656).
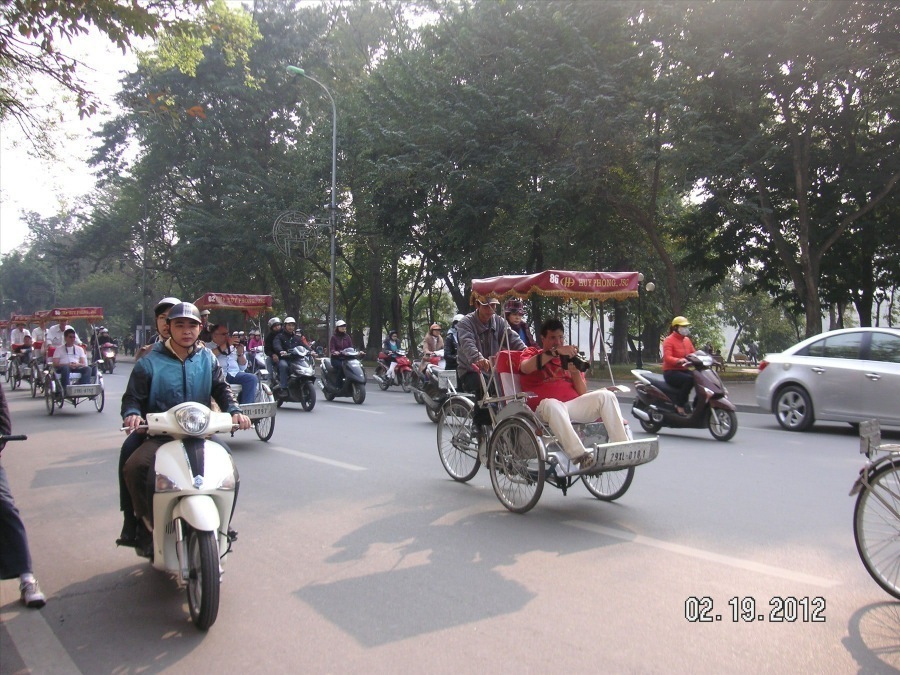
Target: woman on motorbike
(675,366)
(390,347)
(433,342)
(514,311)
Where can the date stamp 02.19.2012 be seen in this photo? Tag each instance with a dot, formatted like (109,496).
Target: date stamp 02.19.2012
(746,609)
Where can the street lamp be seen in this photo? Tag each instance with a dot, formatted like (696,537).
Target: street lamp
(294,70)
(650,287)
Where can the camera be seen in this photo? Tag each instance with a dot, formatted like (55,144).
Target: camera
(577,361)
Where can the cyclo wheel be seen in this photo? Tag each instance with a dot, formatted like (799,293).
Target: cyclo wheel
(203,577)
(34,382)
(514,460)
(99,400)
(876,527)
(48,396)
(609,485)
(264,426)
(456,439)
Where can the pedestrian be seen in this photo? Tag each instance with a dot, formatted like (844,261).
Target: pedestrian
(15,557)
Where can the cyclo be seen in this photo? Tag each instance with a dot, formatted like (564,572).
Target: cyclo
(55,395)
(520,451)
(18,367)
(262,411)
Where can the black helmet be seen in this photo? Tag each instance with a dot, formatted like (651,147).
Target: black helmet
(184,310)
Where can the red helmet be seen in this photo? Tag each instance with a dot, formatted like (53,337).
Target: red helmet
(514,305)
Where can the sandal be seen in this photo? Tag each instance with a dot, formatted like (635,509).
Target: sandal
(586,461)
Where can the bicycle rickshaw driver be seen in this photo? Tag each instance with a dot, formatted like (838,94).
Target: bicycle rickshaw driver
(554,375)
(481,334)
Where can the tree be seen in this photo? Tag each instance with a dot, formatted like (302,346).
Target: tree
(30,36)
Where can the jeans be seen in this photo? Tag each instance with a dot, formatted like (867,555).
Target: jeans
(284,368)
(248,384)
(85,371)
(15,558)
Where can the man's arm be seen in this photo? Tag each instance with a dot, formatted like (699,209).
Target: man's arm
(137,393)
(468,352)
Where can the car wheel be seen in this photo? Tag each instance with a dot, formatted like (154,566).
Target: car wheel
(793,408)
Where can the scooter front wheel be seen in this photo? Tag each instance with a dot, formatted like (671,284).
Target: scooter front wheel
(406,381)
(359,393)
(203,577)
(723,424)
(307,396)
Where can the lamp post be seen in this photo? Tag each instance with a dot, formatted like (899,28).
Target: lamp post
(294,70)
(650,287)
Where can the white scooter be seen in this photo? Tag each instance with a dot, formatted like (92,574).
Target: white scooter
(194,493)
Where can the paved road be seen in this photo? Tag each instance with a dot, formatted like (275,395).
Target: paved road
(358,554)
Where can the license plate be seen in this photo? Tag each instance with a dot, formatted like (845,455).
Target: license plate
(257,410)
(82,390)
(629,453)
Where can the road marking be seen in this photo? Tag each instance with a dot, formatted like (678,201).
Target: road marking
(317,458)
(359,408)
(709,556)
(36,643)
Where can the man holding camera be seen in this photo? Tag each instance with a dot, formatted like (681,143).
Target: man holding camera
(555,373)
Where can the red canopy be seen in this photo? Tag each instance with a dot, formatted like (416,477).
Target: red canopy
(62,314)
(562,284)
(251,304)
(20,318)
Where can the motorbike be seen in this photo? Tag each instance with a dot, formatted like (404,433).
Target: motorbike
(193,500)
(654,402)
(108,352)
(427,389)
(354,383)
(301,379)
(403,371)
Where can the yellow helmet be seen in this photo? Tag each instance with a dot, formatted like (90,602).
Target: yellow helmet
(680,321)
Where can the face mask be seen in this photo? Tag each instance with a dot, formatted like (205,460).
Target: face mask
(684,330)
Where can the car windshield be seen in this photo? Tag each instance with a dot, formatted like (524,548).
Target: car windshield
(885,348)
(844,346)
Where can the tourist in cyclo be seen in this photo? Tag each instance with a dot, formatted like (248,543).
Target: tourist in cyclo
(514,311)
(233,361)
(71,358)
(562,396)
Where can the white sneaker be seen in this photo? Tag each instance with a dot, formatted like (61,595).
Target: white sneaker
(31,594)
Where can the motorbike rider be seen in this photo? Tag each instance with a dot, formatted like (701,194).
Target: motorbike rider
(161,313)
(100,338)
(233,361)
(282,345)
(562,395)
(675,366)
(389,348)
(514,311)
(482,333)
(175,371)
(339,341)
(433,342)
(451,343)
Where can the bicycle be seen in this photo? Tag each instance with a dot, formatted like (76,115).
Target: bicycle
(876,516)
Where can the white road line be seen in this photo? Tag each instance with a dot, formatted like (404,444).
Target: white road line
(356,408)
(34,640)
(709,556)
(316,458)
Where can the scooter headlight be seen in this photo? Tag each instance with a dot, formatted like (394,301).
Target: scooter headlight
(165,484)
(193,420)
(227,483)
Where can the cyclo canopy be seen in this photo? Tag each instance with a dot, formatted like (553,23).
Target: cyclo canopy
(559,284)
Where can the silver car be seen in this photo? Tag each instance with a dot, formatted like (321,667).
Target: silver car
(847,375)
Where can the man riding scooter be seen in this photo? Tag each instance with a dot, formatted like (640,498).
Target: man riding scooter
(173,372)
(339,342)
(282,345)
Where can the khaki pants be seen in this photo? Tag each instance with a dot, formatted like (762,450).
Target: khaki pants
(586,408)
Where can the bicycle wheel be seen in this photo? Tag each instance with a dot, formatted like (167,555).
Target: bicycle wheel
(457,447)
(514,460)
(609,485)
(876,527)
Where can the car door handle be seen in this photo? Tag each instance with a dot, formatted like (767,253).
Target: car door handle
(817,370)
(873,376)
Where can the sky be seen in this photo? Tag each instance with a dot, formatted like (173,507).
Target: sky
(31,184)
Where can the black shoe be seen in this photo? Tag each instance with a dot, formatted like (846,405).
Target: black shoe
(128,536)
(143,541)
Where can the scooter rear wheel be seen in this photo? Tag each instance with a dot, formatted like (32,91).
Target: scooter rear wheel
(203,577)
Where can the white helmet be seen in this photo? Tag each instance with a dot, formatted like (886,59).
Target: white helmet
(290,319)
(273,321)
(340,323)
(458,317)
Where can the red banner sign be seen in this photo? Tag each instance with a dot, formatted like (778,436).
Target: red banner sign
(72,313)
(557,283)
(248,303)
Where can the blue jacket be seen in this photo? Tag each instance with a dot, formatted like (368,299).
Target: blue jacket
(161,380)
